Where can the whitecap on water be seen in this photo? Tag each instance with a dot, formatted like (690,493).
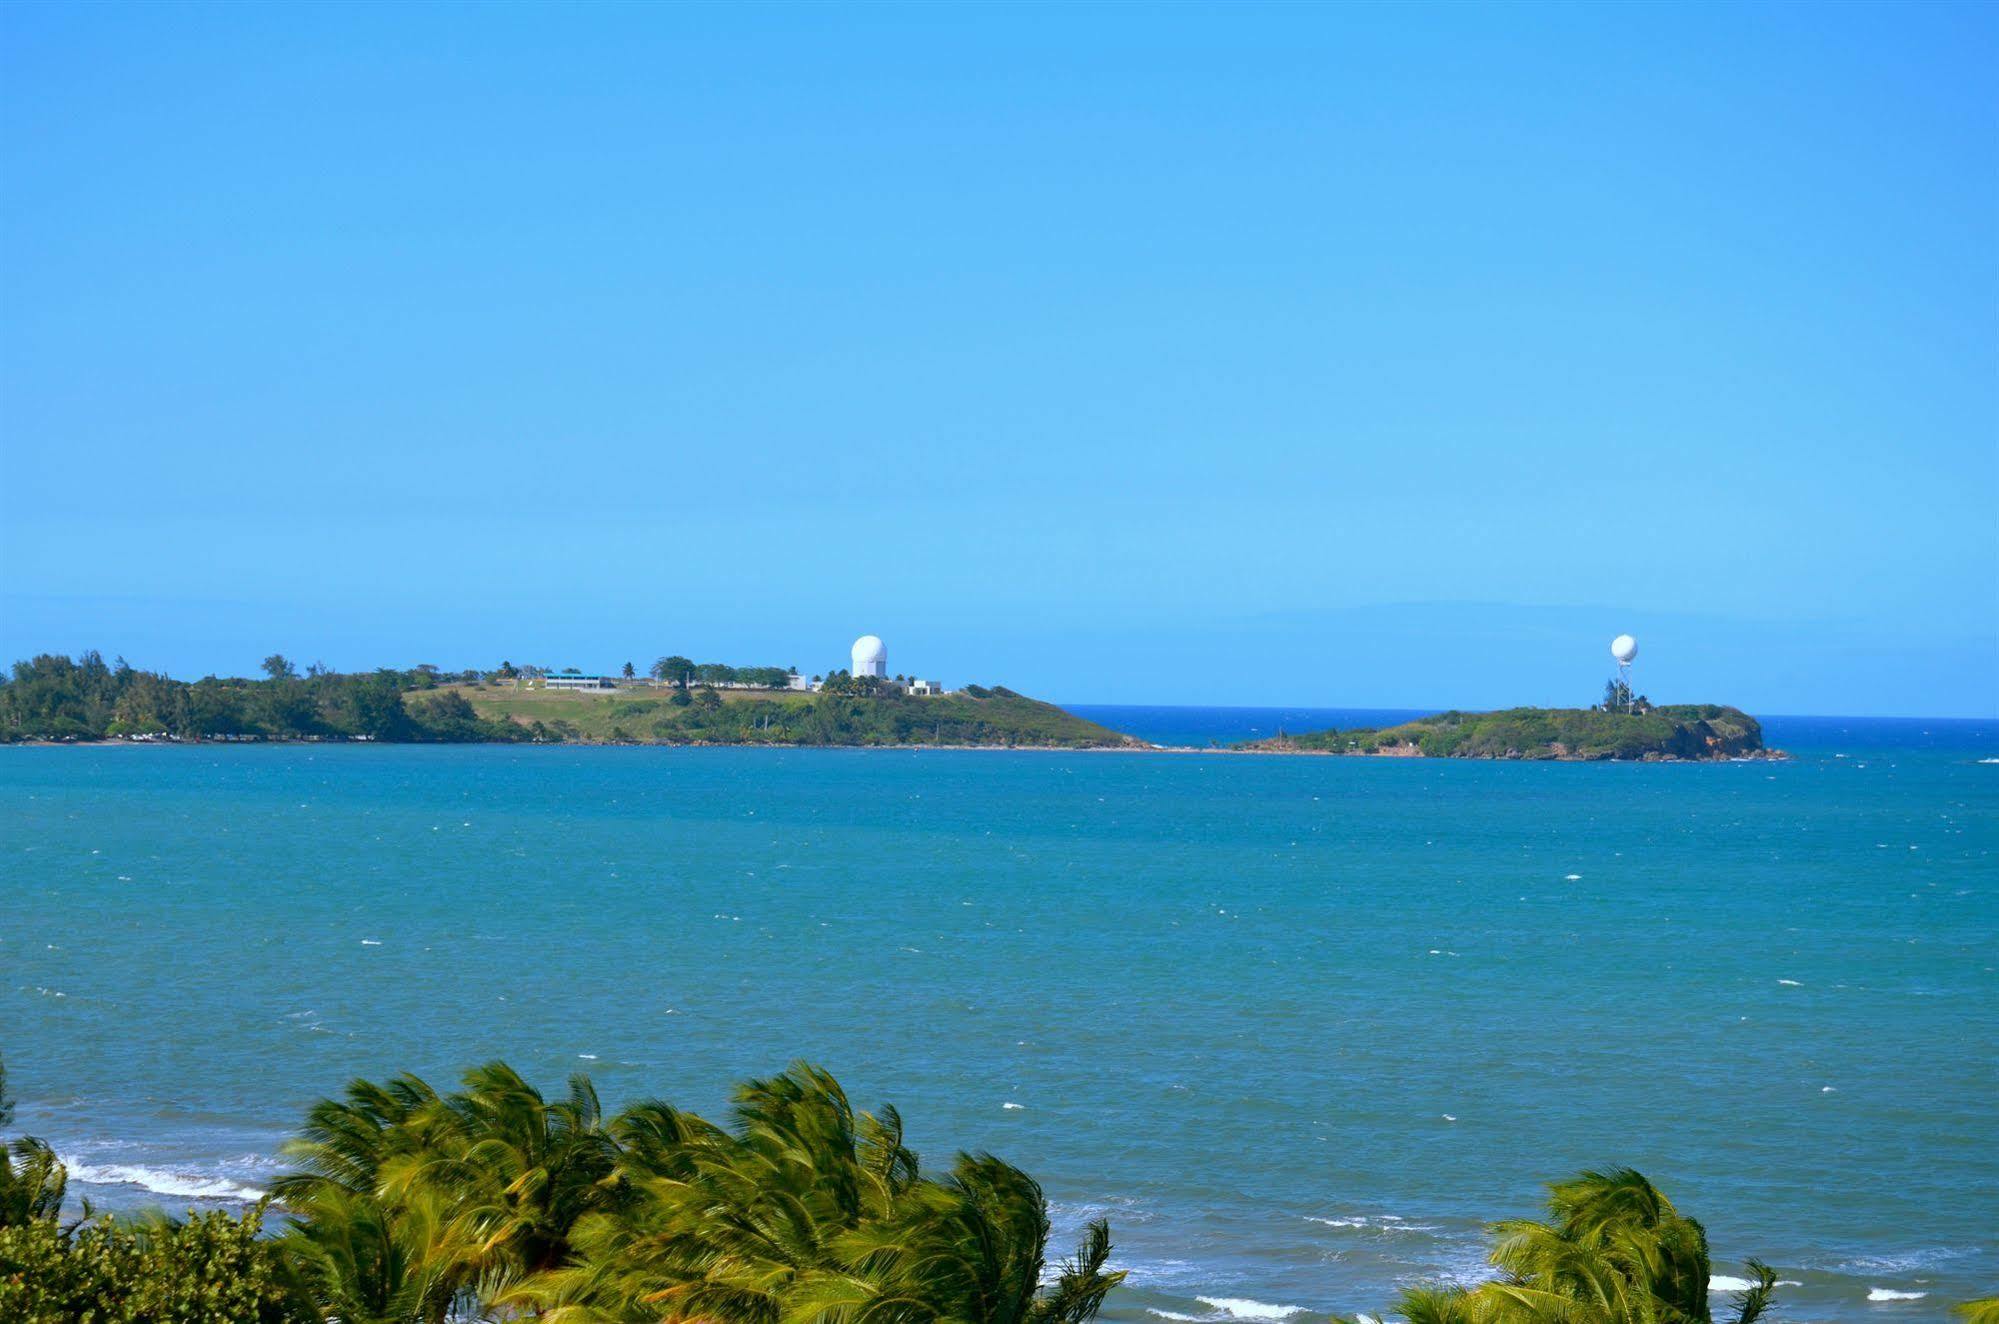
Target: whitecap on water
(1384,1223)
(1724,1282)
(1890,1294)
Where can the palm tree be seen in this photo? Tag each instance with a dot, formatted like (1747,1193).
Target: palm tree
(408,1200)
(720,1225)
(1615,1252)
(810,1211)
(32,1178)
(520,1168)
(32,1182)
(1984,1311)
(969,1248)
(411,1207)
(362,1260)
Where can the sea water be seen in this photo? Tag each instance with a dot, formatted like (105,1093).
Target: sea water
(1297,1026)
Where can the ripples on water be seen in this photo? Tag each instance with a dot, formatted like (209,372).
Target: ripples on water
(1296,1026)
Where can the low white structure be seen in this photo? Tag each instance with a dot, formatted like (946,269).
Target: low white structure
(915,686)
(870,656)
(575,680)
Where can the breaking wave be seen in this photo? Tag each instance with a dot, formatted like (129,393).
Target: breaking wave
(1242,1308)
(189,1186)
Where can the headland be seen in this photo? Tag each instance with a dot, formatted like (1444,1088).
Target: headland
(1676,733)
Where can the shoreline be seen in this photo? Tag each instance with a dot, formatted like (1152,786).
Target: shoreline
(1135,747)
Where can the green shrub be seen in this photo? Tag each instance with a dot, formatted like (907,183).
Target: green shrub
(212,1269)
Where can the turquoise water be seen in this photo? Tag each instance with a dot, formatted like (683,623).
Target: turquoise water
(1297,1026)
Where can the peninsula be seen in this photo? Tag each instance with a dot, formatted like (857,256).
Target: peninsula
(974,716)
(1672,733)
(57,699)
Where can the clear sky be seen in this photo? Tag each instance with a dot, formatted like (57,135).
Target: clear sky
(1324,355)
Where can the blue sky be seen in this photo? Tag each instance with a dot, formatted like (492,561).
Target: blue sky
(1342,355)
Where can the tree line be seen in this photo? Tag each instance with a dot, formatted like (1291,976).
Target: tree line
(52,697)
(682,672)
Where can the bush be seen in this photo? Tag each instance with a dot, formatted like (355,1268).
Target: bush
(212,1269)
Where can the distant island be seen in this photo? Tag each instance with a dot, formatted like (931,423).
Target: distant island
(57,699)
(53,699)
(1631,731)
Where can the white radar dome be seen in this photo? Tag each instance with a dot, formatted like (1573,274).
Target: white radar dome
(870,656)
(1623,648)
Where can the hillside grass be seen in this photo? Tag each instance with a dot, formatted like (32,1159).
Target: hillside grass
(780,717)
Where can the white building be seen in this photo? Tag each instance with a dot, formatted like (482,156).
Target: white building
(924,686)
(870,656)
(575,680)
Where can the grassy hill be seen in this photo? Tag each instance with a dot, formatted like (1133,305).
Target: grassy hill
(1683,731)
(766,717)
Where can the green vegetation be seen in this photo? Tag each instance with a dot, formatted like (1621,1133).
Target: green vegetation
(59,698)
(1614,1251)
(214,1268)
(496,1203)
(682,672)
(1684,731)
(407,1205)
(211,1269)
(847,712)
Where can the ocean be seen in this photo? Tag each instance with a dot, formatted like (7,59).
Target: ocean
(1298,1027)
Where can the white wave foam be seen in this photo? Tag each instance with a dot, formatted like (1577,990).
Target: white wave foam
(186,1185)
(1901,1263)
(1890,1294)
(1174,1314)
(1789,983)
(1236,1307)
(1013,1105)
(1383,1224)
(1723,1282)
